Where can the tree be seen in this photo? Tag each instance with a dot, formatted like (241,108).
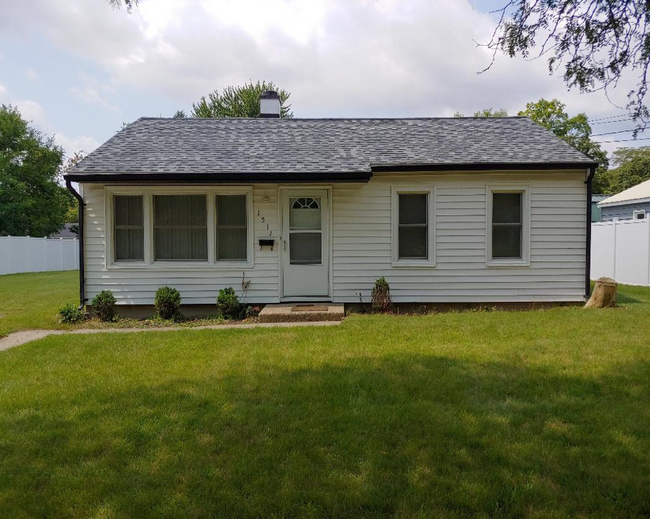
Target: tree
(632,167)
(32,201)
(595,41)
(129,4)
(486,112)
(240,101)
(574,130)
(180,114)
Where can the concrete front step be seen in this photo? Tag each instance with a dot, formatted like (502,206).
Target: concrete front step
(301,312)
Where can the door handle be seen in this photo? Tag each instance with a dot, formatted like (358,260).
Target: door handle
(284,244)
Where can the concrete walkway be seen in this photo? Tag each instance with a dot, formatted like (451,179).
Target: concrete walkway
(17,338)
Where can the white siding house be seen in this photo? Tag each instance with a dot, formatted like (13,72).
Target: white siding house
(509,232)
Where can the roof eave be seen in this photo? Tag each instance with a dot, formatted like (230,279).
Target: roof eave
(482,166)
(232,177)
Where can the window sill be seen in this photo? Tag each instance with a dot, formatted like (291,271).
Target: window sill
(501,263)
(413,264)
(181,265)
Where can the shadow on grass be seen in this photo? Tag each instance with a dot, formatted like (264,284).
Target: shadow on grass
(406,436)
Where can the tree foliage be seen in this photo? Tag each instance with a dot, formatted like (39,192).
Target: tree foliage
(239,101)
(632,166)
(594,41)
(32,202)
(574,130)
(128,4)
(486,112)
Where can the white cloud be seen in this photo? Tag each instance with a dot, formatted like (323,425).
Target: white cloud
(3,91)
(32,75)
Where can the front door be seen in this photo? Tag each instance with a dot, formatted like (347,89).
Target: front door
(305,254)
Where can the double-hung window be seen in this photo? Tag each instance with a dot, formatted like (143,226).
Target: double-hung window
(180,228)
(232,228)
(508,226)
(128,228)
(413,227)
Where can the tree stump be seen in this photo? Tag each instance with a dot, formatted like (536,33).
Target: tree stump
(604,294)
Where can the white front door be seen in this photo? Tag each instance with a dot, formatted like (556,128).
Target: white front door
(305,238)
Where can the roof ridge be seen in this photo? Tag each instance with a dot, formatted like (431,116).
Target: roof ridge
(449,118)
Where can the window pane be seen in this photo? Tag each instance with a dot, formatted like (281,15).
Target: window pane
(506,207)
(231,244)
(231,210)
(305,248)
(506,241)
(180,227)
(180,210)
(181,244)
(305,214)
(128,228)
(129,244)
(128,210)
(412,209)
(413,242)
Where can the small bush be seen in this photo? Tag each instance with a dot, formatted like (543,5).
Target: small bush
(168,303)
(228,304)
(381,299)
(70,313)
(104,305)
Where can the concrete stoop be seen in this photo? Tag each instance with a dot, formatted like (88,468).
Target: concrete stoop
(301,312)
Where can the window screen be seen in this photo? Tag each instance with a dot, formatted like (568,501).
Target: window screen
(180,227)
(231,228)
(413,226)
(507,225)
(128,228)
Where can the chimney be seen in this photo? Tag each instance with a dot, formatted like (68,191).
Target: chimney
(270,104)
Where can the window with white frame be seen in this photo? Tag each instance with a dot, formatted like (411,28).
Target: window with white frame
(180,228)
(508,225)
(232,230)
(413,227)
(128,228)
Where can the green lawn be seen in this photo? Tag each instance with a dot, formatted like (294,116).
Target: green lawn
(541,413)
(32,300)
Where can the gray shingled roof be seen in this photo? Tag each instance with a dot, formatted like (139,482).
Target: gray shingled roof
(268,146)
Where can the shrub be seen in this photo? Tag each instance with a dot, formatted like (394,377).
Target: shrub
(104,305)
(228,304)
(70,313)
(168,303)
(381,299)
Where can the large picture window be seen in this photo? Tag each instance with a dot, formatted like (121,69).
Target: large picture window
(180,227)
(232,232)
(128,228)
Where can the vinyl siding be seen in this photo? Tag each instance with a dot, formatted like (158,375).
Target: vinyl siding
(361,246)
(623,212)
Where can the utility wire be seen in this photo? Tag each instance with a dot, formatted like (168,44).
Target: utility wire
(612,133)
(625,140)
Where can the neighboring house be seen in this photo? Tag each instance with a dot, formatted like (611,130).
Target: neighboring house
(448,210)
(596,211)
(631,204)
(69,231)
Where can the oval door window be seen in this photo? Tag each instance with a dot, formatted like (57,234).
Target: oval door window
(305,234)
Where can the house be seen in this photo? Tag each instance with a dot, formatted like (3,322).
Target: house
(631,204)
(448,210)
(596,211)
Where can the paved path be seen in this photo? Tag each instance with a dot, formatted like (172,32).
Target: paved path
(16,339)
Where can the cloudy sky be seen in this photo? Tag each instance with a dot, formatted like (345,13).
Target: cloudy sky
(79,69)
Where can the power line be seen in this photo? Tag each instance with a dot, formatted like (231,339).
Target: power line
(625,140)
(626,119)
(612,133)
(610,117)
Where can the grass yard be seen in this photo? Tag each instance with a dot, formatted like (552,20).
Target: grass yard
(536,414)
(32,300)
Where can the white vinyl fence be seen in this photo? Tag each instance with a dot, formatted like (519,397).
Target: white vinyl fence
(27,254)
(621,250)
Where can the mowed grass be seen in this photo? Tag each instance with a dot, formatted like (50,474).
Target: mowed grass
(522,414)
(32,300)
